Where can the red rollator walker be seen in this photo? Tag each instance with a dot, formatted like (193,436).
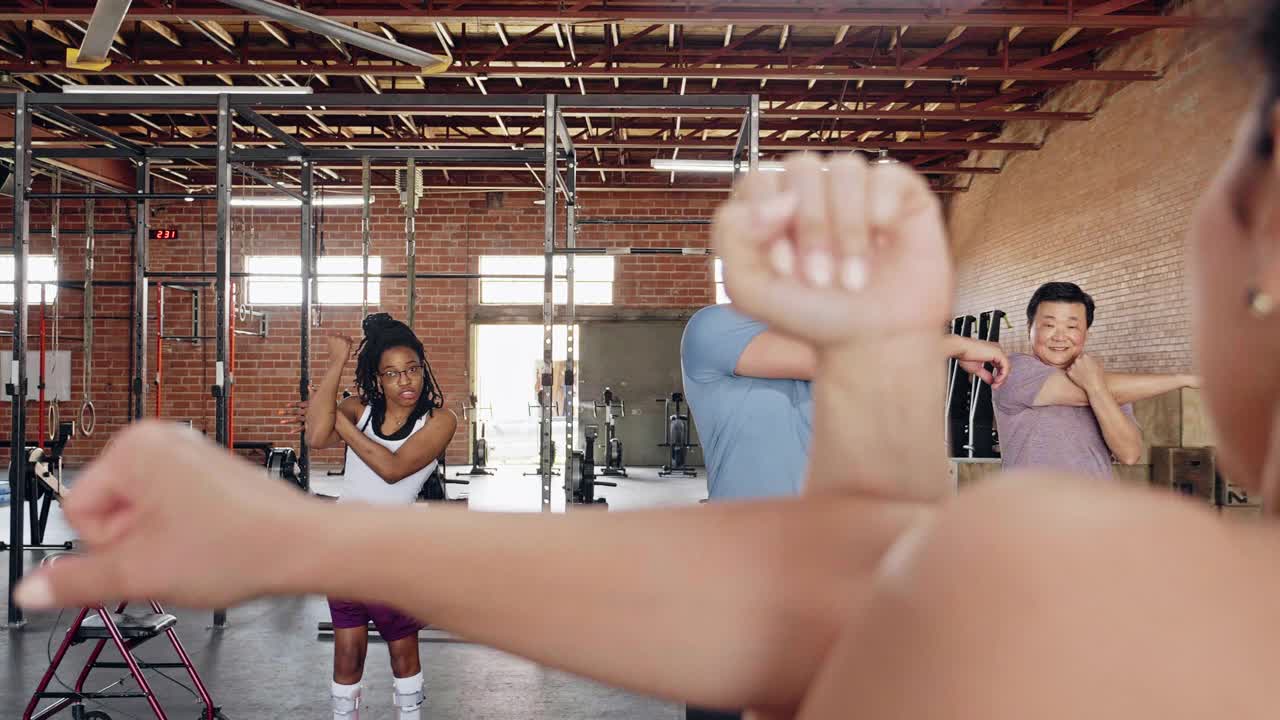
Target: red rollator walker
(126,631)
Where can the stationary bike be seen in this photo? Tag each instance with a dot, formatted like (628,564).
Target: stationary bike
(581,479)
(612,445)
(479,446)
(677,438)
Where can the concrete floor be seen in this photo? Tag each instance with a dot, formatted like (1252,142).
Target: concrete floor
(270,663)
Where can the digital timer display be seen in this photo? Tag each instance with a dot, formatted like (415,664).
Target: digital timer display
(164,234)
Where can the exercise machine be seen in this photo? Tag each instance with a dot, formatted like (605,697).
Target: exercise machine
(43,486)
(434,489)
(677,438)
(959,393)
(582,471)
(612,445)
(479,446)
(984,440)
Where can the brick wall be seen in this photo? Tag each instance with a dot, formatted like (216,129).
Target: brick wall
(1106,203)
(453,230)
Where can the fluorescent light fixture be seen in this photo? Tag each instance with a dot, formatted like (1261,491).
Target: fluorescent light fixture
(181,90)
(726,166)
(706,166)
(287,202)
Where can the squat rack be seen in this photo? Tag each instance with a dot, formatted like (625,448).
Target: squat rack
(289,151)
(557,157)
(557,182)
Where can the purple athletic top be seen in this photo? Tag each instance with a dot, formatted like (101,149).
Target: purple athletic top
(1055,437)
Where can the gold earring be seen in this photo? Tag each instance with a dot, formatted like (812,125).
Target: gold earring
(1261,304)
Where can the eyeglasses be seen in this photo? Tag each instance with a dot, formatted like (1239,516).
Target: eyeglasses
(410,372)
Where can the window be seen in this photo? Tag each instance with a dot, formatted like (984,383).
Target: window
(592,280)
(41,270)
(721,296)
(346,290)
(275,288)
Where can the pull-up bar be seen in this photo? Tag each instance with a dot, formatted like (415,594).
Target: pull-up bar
(133,197)
(631,251)
(644,221)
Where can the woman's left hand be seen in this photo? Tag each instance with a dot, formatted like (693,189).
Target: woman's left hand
(193,534)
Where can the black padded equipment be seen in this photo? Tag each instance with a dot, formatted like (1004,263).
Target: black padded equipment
(132,627)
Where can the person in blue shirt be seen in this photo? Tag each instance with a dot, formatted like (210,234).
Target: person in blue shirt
(749,392)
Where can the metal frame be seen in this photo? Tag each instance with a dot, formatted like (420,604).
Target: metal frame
(557,157)
(559,145)
(18,377)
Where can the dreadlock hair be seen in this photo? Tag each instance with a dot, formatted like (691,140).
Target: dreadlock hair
(381,333)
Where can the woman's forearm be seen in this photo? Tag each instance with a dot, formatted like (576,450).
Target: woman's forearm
(381,460)
(878,420)
(723,606)
(322,412)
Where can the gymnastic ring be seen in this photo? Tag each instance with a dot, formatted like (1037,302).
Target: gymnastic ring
(88,418)
(54,416)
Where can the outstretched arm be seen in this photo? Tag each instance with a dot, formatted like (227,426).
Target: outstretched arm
(759,602)
(1126,388)
(774,355)
(742,622)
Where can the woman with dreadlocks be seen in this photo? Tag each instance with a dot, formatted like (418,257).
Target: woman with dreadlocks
(394,428)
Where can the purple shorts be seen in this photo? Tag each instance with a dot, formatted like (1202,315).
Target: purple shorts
(391,623)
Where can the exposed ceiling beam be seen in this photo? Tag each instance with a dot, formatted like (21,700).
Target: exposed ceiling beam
(656,142)
(944,111)
(217,29)
(331,28)
(1064,38)
(675,14)
(276,33)
(954,40)
(342,49)
(442,32)
(1081,48)
(215,38)
(822,74)
(608,51)
(509,47)
(897,36)
(52,32)
(164,31)
(1106,8)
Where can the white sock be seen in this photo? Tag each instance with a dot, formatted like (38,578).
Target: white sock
(346,701)
(409,697)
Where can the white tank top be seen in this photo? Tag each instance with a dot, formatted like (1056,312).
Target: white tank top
(362,484)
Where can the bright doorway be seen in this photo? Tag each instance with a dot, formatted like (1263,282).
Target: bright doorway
(508,365)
